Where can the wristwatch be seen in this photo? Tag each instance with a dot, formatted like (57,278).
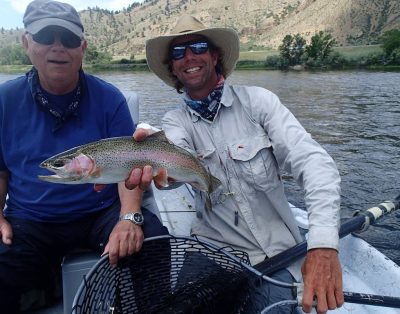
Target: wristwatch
(136,218)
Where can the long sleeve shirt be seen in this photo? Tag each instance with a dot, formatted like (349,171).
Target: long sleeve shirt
(251,140)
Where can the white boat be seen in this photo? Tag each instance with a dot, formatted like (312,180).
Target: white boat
(365,269)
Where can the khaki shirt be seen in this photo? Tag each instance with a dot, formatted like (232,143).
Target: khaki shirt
(252,137)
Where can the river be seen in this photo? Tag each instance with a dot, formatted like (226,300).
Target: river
(354,115)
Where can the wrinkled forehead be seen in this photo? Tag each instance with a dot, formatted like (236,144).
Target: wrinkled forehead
(187,38)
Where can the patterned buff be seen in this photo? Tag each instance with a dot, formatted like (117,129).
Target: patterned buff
(208,107)
(61,115)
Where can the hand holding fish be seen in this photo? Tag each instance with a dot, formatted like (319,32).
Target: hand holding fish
(137,176)
(143,177)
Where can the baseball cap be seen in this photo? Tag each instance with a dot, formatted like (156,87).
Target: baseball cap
(42,13)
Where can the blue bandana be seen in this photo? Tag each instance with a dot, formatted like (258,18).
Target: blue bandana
(208,107)
(61,115)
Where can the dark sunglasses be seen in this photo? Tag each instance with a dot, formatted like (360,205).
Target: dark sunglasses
(67,39)
(178,51)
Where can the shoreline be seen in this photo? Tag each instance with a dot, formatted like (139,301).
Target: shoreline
(241,65)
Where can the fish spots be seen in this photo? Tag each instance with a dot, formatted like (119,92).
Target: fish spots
(112,160)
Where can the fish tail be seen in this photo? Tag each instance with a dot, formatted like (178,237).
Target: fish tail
(214,183)
(208,204)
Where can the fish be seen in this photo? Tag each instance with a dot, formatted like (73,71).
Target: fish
(110,160)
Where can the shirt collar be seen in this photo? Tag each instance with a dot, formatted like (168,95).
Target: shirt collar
(226,101)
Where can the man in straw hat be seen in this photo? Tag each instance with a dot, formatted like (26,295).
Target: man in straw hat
(245,136)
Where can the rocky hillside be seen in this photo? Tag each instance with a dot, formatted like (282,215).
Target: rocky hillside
(260,23)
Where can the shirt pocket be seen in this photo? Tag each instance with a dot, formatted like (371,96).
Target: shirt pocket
(254,164)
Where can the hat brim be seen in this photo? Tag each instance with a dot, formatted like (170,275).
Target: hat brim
(38,25)
(157,51)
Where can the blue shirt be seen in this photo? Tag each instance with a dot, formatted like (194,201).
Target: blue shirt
(27,138)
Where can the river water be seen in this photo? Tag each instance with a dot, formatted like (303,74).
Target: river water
(354,115)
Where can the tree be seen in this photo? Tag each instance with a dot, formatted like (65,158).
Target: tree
(292,49)
(390,41)
(93,56)
(321,46)
(13,55)
(284,48)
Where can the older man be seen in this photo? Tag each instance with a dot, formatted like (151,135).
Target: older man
(56,106)
(245,136)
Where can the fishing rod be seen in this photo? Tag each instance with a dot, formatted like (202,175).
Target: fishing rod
(349,297)
(359,223)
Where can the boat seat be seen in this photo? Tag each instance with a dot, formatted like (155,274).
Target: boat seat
(132,99)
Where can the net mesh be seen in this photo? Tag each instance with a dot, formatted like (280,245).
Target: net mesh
(169,275)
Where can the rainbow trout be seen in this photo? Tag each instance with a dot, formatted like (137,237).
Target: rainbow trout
(111,160)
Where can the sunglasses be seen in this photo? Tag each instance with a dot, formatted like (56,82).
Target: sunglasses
(67,39)
(178,51)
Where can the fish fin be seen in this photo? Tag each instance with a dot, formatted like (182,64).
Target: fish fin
(160,135)
(207,204)
(99,187)
(55,178)
(171,186)
(214,183)
(96,173)
(161,178)
(197,186)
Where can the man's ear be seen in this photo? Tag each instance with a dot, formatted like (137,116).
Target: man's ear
(24,40)
(84,45)
(215,57)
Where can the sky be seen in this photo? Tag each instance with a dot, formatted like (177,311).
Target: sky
(12,11)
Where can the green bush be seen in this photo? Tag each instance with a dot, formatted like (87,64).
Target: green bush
(390,41)
(394,57)
(272,61)
(93,56)
(13,55)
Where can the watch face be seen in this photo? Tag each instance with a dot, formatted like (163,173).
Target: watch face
(138,218)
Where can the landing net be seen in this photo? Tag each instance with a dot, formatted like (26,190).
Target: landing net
(171,275)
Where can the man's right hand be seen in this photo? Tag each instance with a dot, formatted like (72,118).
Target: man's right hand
(322,274)
(5,231)
(143,177)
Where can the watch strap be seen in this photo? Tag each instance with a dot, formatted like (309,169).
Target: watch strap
(135,217)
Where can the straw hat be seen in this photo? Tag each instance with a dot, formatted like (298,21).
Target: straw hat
(157,49)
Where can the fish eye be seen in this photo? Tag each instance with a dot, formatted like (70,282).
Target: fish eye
(59,163)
